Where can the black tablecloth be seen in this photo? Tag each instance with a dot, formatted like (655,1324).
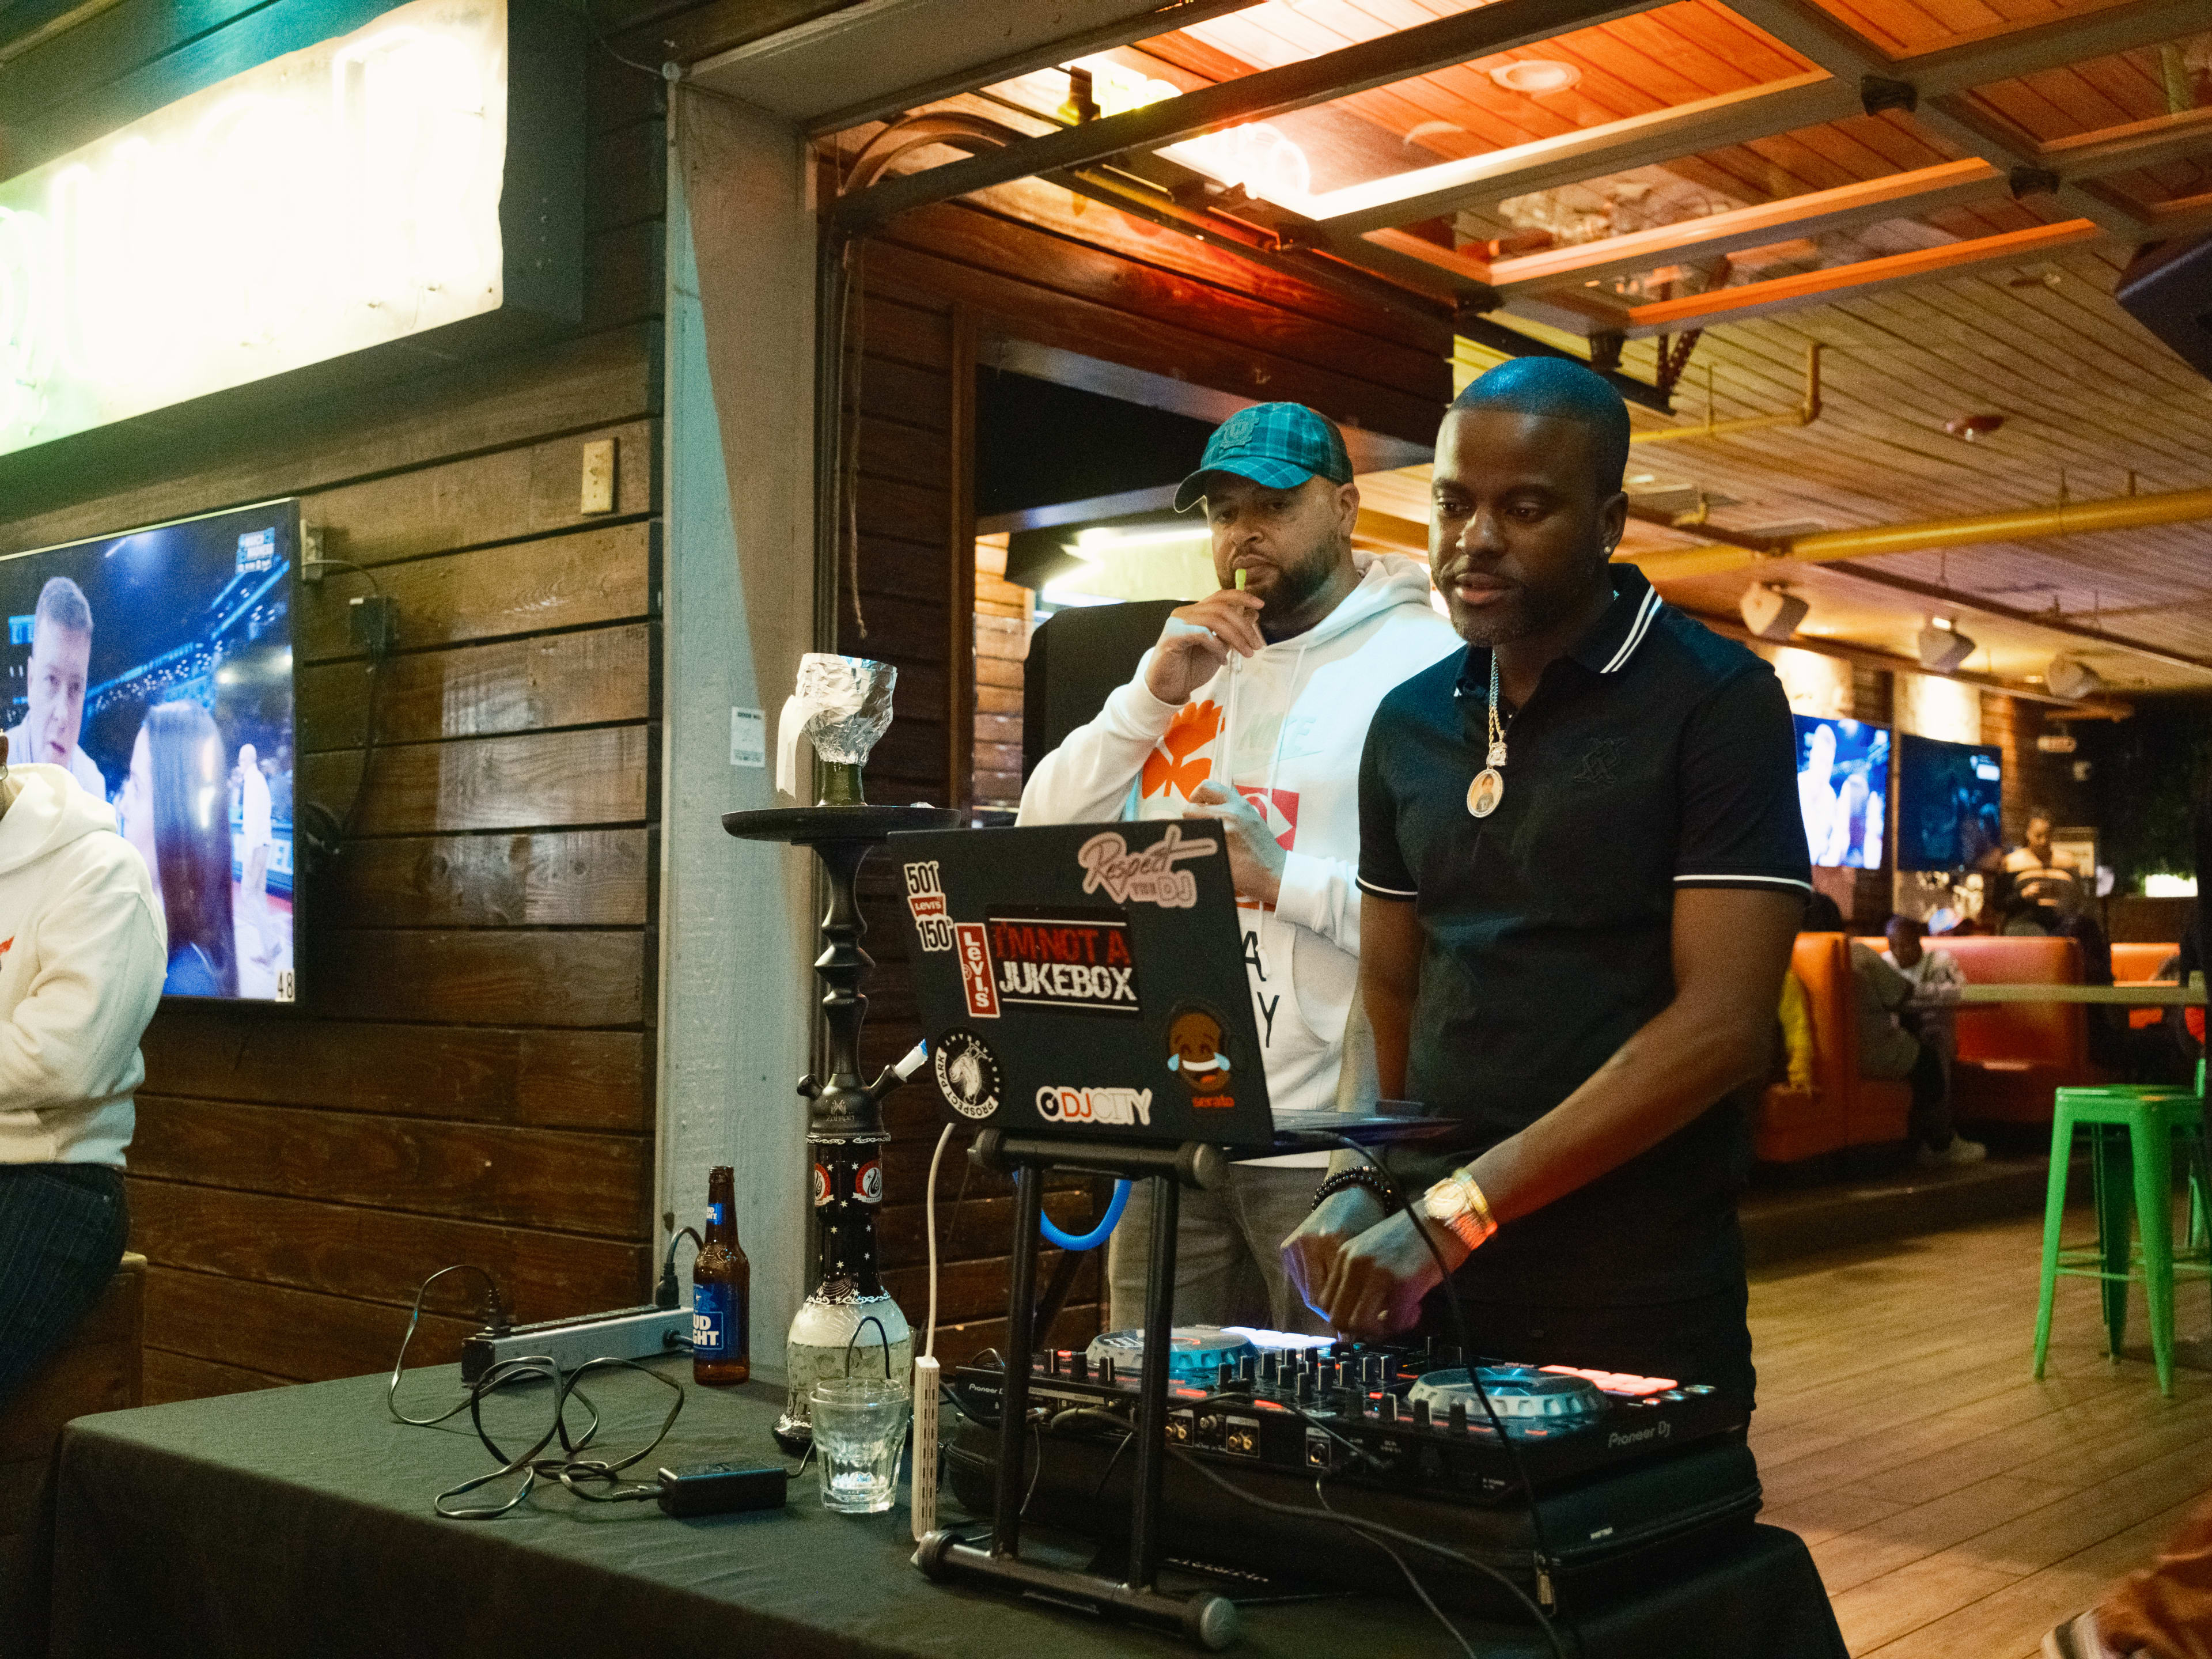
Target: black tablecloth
(298,1522)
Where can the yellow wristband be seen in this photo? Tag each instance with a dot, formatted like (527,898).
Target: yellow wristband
(1457,1204)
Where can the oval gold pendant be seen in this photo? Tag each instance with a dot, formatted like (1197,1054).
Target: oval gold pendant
(1486,791)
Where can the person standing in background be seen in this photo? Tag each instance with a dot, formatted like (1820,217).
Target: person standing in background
(81,954)
(175,764)
(54,683)
(259,836)
(1251,710)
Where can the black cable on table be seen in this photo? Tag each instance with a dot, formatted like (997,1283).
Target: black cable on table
(1376,1528)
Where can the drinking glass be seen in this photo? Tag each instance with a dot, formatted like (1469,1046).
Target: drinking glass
(860,1424)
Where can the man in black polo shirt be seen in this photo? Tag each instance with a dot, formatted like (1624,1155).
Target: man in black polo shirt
(1582,866)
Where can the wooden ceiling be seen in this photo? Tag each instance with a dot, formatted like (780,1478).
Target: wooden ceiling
(1952,239)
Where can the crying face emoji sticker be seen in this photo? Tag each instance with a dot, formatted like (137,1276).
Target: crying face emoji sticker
(1199,1054)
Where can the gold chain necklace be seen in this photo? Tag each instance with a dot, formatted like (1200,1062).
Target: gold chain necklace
(1488,789)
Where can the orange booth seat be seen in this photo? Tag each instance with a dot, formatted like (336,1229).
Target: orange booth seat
(2138,965)
(2013,1055)
(1842,1109)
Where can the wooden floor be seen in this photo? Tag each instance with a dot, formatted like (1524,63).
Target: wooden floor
(1958,1508)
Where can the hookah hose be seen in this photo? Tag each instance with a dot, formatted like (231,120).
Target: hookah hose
(1099,1234)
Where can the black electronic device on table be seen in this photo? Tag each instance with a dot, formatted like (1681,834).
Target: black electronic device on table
(1631,1477)
(1087,981)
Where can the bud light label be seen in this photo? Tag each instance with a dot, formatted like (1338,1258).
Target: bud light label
(710,1321)
(713,1215)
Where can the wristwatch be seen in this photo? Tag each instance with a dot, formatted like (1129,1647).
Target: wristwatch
(1457,1204)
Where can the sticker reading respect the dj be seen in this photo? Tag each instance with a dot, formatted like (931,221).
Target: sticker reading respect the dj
(1147,875)
(1077,961)
(968,1073)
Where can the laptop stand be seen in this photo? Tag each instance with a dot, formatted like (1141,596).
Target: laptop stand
(1208,1619)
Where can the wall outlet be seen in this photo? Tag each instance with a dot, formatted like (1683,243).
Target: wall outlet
(598,494)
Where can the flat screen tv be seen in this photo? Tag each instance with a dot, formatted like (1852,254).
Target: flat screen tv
(156,664)
(1949,803)
(1843,790)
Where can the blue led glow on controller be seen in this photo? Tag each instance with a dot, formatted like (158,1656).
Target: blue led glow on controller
(1099,1234)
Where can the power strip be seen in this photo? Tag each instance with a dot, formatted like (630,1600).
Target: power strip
(922,1501)
(627,1334)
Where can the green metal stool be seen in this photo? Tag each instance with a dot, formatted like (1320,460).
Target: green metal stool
(2131,1152)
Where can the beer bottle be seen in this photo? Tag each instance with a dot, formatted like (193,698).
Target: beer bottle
(721,1292)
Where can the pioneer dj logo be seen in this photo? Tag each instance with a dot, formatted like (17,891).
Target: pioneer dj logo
(1109,1108)
(1660,1431)
(1078,961)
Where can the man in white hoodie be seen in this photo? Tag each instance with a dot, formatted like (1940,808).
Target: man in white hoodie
(82,951)
(1251,710)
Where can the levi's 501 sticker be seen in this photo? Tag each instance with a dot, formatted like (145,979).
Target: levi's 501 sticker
(924,900)
(1078,961)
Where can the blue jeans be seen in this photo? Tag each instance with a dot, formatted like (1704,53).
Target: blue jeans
(62,1229)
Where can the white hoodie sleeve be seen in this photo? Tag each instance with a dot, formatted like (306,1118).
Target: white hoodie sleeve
(1322,896)
(73,1037)
(1086,780)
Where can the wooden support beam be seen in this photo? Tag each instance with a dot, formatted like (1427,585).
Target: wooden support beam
(1660,135)
(2151,143)
(1497,27)
(1812,287)
(1923,190)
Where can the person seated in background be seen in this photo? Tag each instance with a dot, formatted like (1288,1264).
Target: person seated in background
(1887,1050)
(82,955)
(2037,879)
(1934,972)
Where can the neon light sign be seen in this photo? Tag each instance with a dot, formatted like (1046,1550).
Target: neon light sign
(327,201)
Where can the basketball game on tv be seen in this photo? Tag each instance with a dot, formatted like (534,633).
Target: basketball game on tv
(155,667)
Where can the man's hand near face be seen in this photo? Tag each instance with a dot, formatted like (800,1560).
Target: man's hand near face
(1198,640)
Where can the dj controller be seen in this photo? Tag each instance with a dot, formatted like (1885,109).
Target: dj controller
(1404,1417)
(1592,1478)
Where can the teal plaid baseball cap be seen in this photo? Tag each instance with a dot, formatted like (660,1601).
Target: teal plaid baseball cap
(1277,446)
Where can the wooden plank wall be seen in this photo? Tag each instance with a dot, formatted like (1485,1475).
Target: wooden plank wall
(1028,262)
(470,1075)
(1005,617)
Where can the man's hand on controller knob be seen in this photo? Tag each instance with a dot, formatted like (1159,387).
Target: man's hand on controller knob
(1309,1253)
(1198,640)
(1376,1280)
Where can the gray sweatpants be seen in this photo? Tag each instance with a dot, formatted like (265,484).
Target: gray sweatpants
(1228,1263)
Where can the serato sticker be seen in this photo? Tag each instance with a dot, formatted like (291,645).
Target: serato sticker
(924,900)
(1146,875)
(968,1073)
(1199,1055)
(1077,961)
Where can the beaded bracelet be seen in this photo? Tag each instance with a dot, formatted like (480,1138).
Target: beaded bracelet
(1371,1179)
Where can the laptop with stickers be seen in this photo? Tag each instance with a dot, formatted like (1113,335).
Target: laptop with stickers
(1087,981)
